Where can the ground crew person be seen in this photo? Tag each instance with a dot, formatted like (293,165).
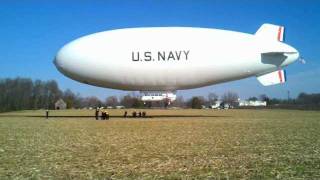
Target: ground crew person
(134,114)
(103,115)
(47,114)
(107,115)
(97,113)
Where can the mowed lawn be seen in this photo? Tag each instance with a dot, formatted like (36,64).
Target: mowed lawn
(216,144)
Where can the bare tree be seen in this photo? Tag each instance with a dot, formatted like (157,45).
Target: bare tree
(92,102)
(69,98)
(179,102)
(212,98)
(230,98)
(112,101)
(126,101)
(253,98)
(196,102)
(264,97)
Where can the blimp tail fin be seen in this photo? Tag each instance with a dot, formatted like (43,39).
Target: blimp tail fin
(270,31)
(275,77)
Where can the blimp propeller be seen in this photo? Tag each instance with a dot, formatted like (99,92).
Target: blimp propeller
(302,60)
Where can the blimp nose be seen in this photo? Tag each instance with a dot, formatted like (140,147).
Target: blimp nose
(73,60)
(60,60)
(56,62)
(65,59)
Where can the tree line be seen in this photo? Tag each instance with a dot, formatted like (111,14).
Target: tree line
(24,93)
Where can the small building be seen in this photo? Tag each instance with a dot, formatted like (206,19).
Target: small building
(226,106)
(60,104)
(252,103)
(216,105)
(120,107)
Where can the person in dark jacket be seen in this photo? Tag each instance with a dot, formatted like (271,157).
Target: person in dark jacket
(47,114)
(134,114)
(97,113)
(107,115)
(103,115)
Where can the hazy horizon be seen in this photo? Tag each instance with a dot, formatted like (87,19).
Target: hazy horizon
(32,32)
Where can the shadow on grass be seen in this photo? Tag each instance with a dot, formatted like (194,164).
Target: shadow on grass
(153,116)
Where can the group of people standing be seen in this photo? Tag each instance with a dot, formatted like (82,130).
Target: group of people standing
(136,114)
(104,114)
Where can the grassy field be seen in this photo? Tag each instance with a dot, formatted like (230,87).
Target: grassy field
(224,144)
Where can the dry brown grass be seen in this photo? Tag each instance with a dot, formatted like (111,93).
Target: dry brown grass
(250,144)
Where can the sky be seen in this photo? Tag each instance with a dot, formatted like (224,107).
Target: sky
(31,33)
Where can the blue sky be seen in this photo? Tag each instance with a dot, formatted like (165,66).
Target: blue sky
(31,32)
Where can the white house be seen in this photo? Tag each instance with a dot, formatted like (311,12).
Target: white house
(60,104)
(252,103)
(215,105)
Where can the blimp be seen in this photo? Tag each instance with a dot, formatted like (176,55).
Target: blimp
(158,61)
